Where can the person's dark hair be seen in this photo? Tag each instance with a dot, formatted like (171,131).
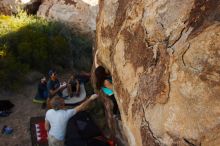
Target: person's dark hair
(57,103)
(51,72)
(100,75)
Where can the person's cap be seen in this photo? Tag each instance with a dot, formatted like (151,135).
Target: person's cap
(51,72)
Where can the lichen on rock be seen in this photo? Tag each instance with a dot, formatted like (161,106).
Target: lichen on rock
(164,59)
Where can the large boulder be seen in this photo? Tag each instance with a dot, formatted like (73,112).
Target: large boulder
(164,57)
(9,7)
(78,14)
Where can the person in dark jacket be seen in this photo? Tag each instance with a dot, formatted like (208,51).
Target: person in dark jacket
(42,92)
(54,86)
(73,84)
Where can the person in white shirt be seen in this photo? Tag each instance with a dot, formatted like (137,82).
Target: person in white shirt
(56,119)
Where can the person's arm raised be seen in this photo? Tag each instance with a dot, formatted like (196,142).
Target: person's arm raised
(83,105)
(95,59)
(77,88)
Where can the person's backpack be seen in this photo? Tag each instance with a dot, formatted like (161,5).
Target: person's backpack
(86,126)
(5,108)
(6,105)
(101,141)
(82,131)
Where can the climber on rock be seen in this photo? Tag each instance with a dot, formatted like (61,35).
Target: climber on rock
(104,83)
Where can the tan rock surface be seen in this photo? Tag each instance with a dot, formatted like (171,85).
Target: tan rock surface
(164,59)
(79,14)
(9,7)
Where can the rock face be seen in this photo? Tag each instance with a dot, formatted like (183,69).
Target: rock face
(164,57)
(79,14)
(8,7)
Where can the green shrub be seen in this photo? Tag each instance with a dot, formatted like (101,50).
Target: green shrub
(82,53)
(11,72)
(31,43)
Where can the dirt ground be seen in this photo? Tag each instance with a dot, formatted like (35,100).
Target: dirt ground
(19,119)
